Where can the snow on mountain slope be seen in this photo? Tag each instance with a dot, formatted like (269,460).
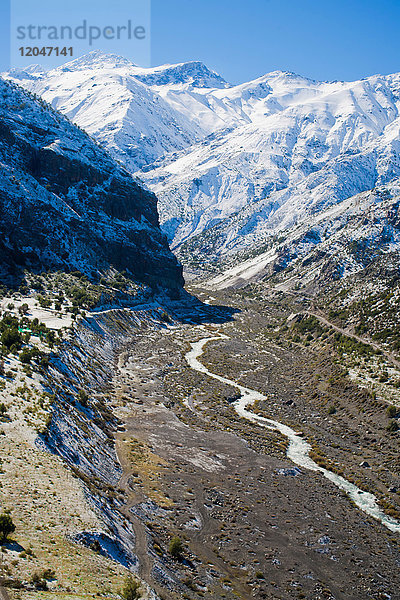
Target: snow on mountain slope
(123,106)
(341,240)
(232,165)
(65,204)
(308,145)
(193,73)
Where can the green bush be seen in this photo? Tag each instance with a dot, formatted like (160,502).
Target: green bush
(82,398)
(175,547)
(310,325)
(28,354)
(50,338)
(44,361)
(11,339)
(348,345)
(44,302)
(131,589)
(6,526)
(392,412)
(23,309)
(39,582)
(393,427)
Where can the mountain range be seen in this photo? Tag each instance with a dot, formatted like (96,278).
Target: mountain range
(185,449)
(233,166)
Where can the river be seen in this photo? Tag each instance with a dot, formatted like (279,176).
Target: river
(299,449)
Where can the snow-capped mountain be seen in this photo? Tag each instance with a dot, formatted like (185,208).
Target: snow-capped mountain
(126,108)
(232,165)
(66,205)
(338,242)
(308,145)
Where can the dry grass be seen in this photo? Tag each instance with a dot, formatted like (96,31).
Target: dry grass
(147,465)
(48,504)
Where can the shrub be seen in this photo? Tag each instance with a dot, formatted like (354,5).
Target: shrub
(175,547)
(44,361)
(392,427)
(260,575)
(23,309)
(82,398)
(44,302)
(39,582)
(11,339)
(131,589)
(28,354)
(48,574)
(50,338)
(392,412)
(310,325)
(6,526)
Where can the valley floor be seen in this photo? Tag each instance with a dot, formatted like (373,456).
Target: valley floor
(252,526)
(250,523)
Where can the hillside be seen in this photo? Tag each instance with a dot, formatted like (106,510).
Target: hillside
(232,164)
(309,146)
(66,205)
(334,244)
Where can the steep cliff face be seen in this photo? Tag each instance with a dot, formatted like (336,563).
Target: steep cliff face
(65,204)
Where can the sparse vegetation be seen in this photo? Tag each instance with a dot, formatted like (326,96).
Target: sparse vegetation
(131,589)
(6,526)
(392,411)
(393,426)
(40,578)
(175,547)
(82,397)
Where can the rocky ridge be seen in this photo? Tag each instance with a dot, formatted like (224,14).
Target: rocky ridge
(66,205)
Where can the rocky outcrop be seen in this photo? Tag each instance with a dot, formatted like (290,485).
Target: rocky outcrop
(66,205)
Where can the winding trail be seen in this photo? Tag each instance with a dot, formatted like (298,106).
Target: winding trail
(299,449)
(322,319)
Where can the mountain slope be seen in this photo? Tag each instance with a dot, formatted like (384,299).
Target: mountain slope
(65,204)
(308,147)
(232,165)
(359,233)
(122,105)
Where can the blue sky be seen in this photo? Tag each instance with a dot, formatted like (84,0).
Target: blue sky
(242,40)
(344,39)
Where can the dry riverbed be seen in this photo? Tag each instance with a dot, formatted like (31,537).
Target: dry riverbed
(252,525)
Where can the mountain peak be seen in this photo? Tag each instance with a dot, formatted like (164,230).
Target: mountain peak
(194,73)
(31,72)
(97,60)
